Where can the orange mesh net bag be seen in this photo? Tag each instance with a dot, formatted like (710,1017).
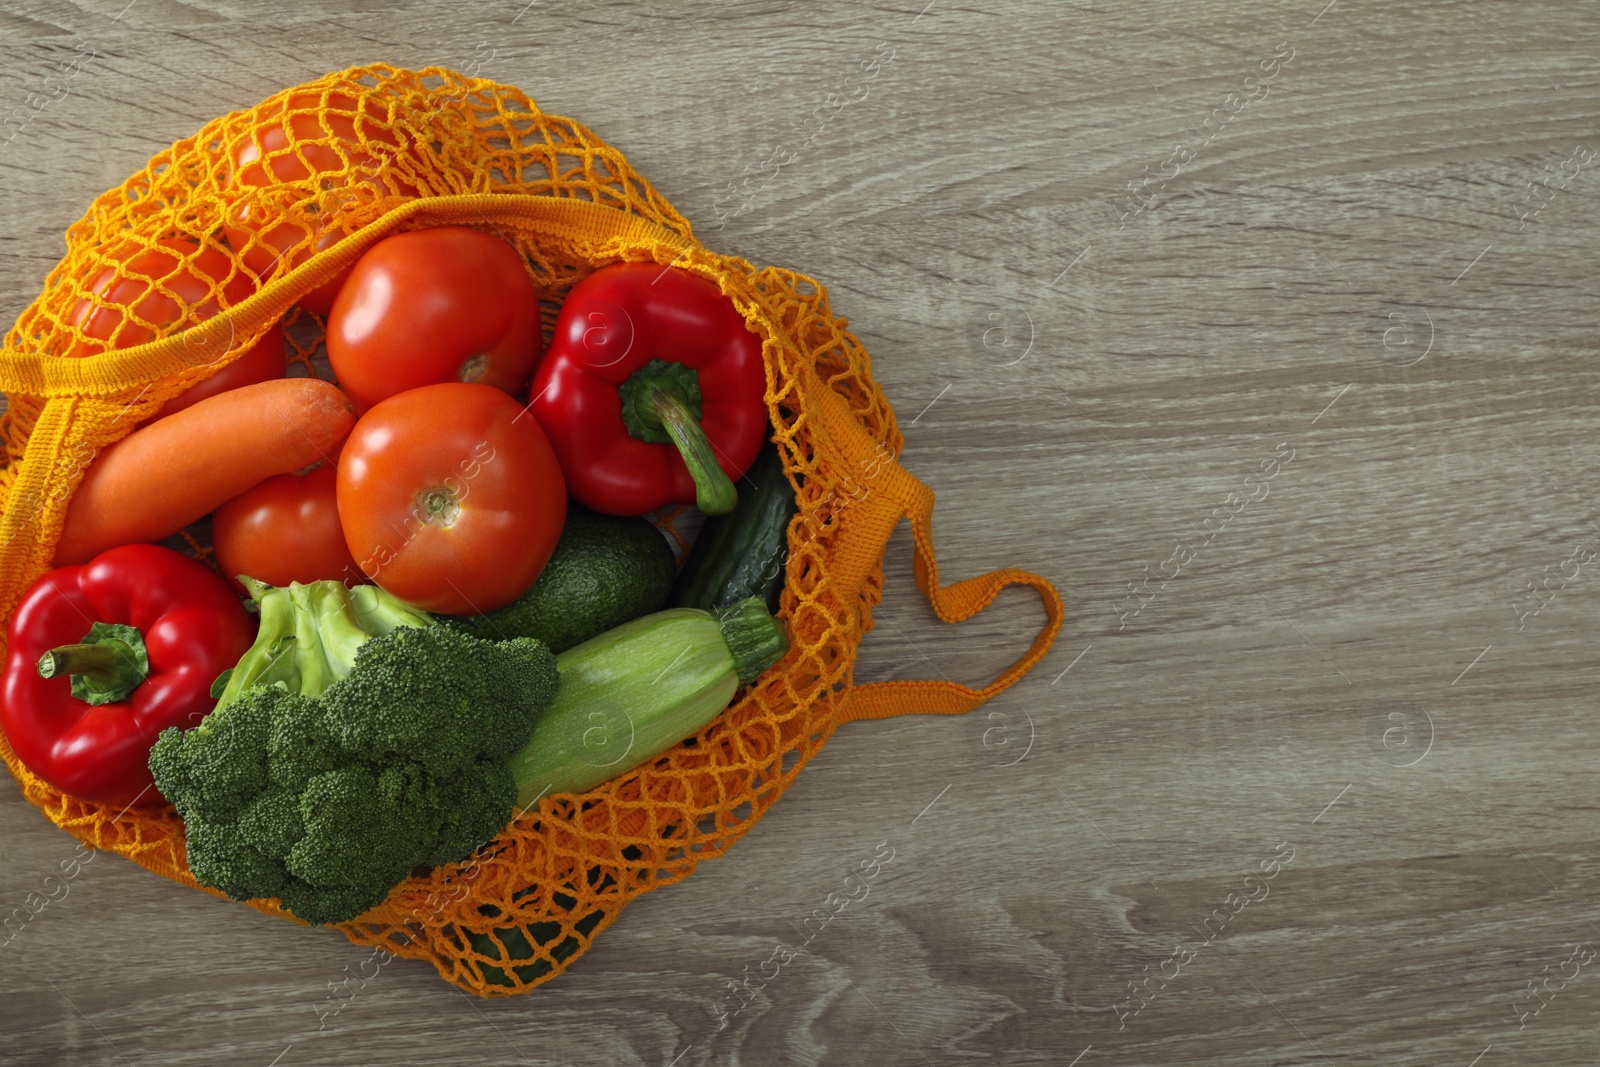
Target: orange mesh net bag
(331,167)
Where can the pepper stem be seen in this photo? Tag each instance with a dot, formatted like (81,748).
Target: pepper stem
(714,492)
(94,661)
(661,403)
(107,665)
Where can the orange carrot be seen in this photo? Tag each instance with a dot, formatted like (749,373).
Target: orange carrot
(160,478)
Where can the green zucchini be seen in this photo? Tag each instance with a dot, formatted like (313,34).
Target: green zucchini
(626,696)
(633,692)
(742,554)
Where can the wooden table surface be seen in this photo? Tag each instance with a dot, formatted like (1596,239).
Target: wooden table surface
(1266,331)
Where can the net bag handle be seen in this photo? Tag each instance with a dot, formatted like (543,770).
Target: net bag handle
(883,492)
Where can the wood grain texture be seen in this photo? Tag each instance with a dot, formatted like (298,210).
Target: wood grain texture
(1337,663)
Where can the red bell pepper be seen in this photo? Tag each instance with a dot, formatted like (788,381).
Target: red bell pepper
(105,655)
(652,392)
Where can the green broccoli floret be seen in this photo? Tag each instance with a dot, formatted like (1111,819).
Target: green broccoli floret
(327,905)
(220,765)
(477,801)
(221,855)
(451,698)
(355,835)
(301,743)
(328,800)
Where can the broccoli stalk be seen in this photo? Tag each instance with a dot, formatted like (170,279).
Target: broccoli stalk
(351,746)
(309,634)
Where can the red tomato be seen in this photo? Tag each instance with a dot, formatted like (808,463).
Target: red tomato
(451,497)
(284,530)
(174,284)
(448,304)
(353,151)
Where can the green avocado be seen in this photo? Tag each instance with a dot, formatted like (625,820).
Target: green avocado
(603,572)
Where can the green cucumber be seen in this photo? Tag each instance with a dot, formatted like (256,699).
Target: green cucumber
(633,692)
(742,554)
(519,944)
(604,571)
